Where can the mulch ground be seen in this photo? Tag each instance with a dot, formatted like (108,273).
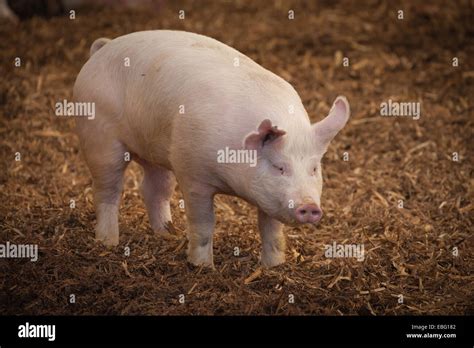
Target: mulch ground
(409,251)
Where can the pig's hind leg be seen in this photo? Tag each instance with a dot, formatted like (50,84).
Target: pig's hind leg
(107,163)
(157,188)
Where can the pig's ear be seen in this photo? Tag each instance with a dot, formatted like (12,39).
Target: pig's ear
(265,134)
(326,129)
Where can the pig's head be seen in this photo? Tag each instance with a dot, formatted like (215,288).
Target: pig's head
(287,180)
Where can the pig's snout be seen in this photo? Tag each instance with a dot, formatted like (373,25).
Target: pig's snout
(308,213)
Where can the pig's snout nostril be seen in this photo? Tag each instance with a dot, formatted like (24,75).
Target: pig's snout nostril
(308,213)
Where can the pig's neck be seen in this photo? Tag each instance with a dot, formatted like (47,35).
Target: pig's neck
(235,180)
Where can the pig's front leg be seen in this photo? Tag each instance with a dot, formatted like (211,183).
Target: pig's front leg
(273,240)
(200,214)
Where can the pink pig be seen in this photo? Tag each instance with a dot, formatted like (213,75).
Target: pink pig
(174,100)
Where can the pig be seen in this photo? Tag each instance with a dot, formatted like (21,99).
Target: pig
(173,100)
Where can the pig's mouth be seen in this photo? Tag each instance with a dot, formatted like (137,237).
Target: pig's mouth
(288,220)
(294,223)
(291,221)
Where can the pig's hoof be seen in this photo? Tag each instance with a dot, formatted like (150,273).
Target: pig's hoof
(201,262)
(200,258)
(273,259)
(204,264)
(162,233)
(108,241)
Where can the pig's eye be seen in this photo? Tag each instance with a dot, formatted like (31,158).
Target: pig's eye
(281,169)
(315,170)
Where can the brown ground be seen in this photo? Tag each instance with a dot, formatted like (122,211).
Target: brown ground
(409,251)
